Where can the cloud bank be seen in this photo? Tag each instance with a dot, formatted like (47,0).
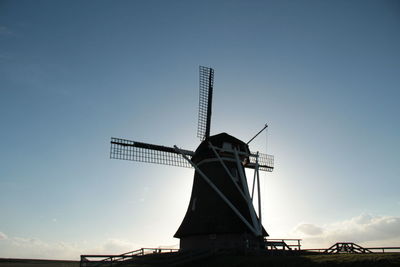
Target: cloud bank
(34,248)
(366,229)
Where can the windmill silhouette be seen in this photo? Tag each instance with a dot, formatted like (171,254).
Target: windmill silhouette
(220,212)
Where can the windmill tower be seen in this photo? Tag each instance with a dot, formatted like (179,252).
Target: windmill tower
(220,212)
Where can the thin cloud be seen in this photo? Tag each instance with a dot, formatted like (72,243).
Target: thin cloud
(4,30)
(3,236)
(27,242)
(309,229)
(117,246)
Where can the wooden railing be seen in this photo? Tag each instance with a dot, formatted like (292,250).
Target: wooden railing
(382,249)
(371,249)
(283,244)
(111,260)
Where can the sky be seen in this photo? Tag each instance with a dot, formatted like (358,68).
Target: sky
(324,75)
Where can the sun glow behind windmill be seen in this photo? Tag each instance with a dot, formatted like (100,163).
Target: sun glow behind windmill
(221,212)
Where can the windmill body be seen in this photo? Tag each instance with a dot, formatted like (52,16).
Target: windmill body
(209,221)
(220,213)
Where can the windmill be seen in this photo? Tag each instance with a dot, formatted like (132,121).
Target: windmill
(220,212)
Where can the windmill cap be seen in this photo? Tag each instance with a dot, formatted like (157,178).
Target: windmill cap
(219,140)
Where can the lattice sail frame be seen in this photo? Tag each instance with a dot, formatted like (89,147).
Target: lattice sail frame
(265,161)
(206,84)
(143,152)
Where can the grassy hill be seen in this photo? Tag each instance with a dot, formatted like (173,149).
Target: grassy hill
(37,263)
(364,260)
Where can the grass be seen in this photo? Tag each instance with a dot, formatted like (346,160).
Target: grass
(364,260)
(387,259)
(37,263)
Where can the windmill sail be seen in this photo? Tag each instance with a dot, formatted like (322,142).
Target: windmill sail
(205,102)
(143,152)
(265,162)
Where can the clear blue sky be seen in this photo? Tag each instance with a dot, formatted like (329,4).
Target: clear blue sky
(325,75)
